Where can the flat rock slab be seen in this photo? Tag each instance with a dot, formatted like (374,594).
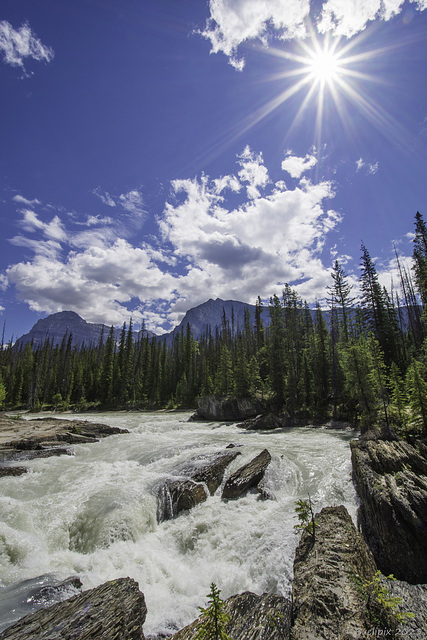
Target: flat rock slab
(252,617)
(247,477)
(42,437)
(115,610)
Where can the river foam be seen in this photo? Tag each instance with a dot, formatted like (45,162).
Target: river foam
(94,515)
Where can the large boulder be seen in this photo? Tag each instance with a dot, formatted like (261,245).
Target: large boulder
(252,617)
(247,477)
(192,483)
(228,408)
(391,481)
(178,495)
(113,611)
(327,603)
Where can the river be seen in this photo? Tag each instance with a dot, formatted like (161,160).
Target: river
(93,514)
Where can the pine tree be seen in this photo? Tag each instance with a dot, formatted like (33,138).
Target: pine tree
(416,390)
(213,619)
(420,256)
(340,298)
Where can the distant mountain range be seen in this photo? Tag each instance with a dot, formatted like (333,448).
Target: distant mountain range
(208,314)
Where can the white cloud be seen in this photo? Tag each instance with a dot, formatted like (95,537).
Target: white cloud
(104,197)
(28,203)
(133,202)
(253,171)
(206,249)
(4,283)
(296,166)
(54,230)
(348,17)
(370,168)
(233,22)
(16,45)
(97,283)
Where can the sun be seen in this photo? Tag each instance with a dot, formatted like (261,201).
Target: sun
(324,66)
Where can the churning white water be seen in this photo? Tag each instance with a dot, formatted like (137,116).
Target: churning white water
(94,515)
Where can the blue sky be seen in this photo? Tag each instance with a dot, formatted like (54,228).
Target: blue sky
(155,154)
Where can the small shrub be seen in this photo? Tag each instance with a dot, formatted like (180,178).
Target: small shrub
(304,511)
(213,618)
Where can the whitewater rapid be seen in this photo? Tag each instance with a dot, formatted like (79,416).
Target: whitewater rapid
(93,515)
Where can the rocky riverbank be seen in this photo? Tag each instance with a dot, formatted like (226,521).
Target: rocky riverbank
(391,480)
(22,440)
(329,600)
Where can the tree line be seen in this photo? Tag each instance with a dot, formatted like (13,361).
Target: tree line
(360,359)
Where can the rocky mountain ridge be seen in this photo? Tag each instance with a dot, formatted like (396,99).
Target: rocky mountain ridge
(208,314)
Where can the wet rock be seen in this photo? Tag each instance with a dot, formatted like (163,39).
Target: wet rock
(414,600)
(226,408)
(252,617)
(246,477)
(391,481)
(326,601)
(12,471)
(113,611)
(178,495)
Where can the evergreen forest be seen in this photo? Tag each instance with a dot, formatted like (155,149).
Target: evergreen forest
(361,359)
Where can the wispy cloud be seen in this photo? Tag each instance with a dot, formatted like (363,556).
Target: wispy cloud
(105,197)
(28,203)
(131,201)
(370,168)
(20,44)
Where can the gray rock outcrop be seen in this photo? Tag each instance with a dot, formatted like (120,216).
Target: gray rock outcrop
(252,617)
(326,601)
(247,477)
(228,408)
(391,481)
(113,611)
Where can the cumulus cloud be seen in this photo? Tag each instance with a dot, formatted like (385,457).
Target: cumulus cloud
(19,44)
(253,171)
(296,166)
(234,22)
(348,17)
(206,248)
